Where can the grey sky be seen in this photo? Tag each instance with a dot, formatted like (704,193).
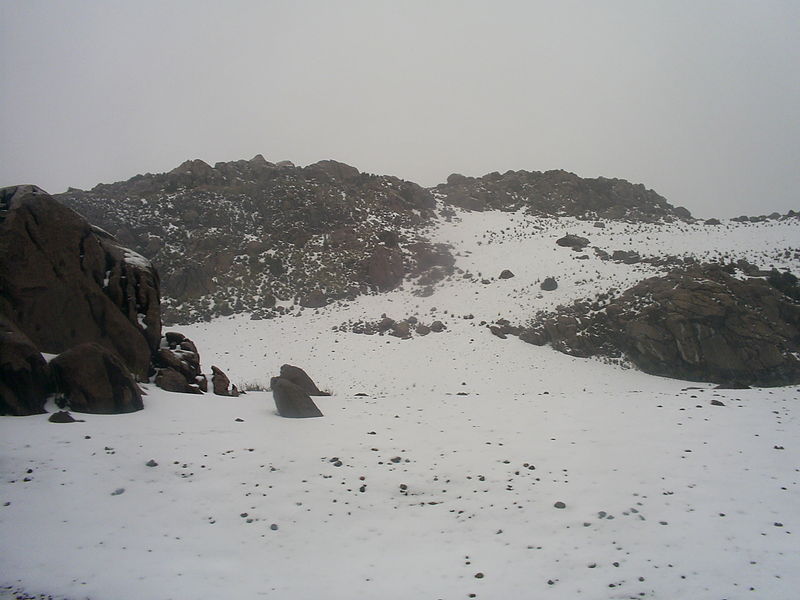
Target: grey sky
(697,100)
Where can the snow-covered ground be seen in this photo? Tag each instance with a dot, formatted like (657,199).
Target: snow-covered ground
(442,481)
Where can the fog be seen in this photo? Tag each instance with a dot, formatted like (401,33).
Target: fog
(697,100)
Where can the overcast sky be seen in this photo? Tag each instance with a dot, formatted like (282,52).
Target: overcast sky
(698,100)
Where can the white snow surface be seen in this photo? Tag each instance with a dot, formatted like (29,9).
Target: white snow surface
(665,496)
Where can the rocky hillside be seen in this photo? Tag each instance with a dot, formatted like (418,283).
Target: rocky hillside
(250,235)
(560,193)
(257,237)
(704,322)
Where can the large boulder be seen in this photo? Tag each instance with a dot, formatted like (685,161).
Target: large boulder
(95,380)
(301,379)
(699,323)
(65,283)
(291,400)
(24,374)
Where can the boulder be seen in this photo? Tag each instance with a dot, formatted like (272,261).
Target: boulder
(506,274)
(221,384)
(178,359)
(573,241)
(291,400)
(301,379)
(549,284)
(64,282)
(95,380)
(24,374)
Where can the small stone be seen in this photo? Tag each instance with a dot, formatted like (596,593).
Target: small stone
(118,491)
(151,463)
(478,575)
(560,504)
(717,403)
(273,527)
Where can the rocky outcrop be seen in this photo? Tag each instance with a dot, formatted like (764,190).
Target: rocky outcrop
(177,365)
(291,400)
(699,323)
(64,282)
(231,237)
(301,379)
(93,379)
(24,373)
(557,193)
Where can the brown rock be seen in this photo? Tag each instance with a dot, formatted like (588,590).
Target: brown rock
(64,283)
(95,380)
(291,400)
(220,382)
(24,374)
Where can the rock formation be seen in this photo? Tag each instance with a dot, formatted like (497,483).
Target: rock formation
(24,374)
(301,379)
(95,380)
(64,282)
(221,384)
(177,365)
(556,193)
(291,400)
(698,323)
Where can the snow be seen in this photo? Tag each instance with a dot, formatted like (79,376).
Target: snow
(665,495)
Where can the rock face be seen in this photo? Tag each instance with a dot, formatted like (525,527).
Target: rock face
(291,400)
(555,193)
(24,374)
(95,380)
(301,379)
(239,234)
(699,323)
(64,282)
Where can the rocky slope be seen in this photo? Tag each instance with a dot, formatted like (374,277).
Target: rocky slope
(701,323)
(257,237)
(560,193)
(247,235)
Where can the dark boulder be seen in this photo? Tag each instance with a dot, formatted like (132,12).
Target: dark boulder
(573,241)
(629,257)
(62,416)
(95,380)
(301,379)
(24,374)
(64,282)
(291,400)
(506,274)
(549,284)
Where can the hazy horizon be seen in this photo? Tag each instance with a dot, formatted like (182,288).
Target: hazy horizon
(698,101)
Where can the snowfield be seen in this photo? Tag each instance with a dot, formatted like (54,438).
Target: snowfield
(449,466)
